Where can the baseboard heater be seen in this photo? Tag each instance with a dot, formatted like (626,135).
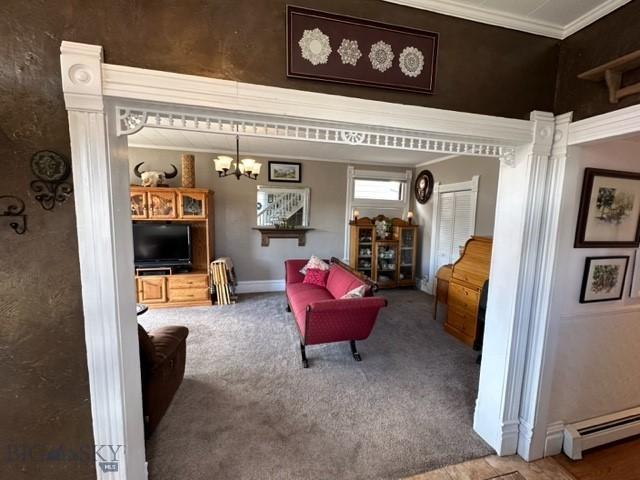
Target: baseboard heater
(594,432)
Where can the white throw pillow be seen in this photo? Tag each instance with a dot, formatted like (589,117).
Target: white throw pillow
(315,262)
(355,293)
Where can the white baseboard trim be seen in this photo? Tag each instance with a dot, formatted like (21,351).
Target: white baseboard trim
(525,437)
(554,438)
(258,286)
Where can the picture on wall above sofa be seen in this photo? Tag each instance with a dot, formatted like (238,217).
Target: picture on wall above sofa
(603,279)
(609,213)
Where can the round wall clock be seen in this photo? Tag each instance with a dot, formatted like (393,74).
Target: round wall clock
(424,186)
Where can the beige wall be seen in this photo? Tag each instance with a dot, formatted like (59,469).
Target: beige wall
(235,212)
(459,169)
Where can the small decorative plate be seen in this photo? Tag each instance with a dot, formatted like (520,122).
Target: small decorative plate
(49,166)
(424,186)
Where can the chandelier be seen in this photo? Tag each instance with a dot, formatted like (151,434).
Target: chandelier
(248,167)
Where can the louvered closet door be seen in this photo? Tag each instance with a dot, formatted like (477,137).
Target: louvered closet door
(456,225)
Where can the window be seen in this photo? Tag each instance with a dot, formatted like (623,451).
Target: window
(378,189)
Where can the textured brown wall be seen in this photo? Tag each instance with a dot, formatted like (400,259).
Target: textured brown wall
(44,399)
(608,38)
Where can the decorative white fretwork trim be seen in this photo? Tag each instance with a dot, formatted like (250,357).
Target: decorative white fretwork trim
(131,121)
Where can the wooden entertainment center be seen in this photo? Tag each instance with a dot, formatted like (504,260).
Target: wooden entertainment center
(194,206)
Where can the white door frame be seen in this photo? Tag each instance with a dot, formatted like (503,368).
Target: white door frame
(438,188)
(96,93)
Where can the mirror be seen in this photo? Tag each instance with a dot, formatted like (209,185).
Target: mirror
(285,207)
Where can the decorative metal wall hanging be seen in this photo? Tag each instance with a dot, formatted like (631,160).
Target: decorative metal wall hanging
(52,170)
(12,208)
(335,48)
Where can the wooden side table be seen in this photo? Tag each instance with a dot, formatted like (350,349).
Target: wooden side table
(442,287)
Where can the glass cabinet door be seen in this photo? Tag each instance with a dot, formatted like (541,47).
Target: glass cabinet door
(162,204)
(407,254)
(138,205)
(365,251)
(386,259)
(193,205)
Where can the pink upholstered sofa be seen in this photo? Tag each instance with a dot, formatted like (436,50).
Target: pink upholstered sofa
(320,314)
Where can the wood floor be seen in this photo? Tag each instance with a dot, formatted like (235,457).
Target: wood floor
(616,462)
(503,468)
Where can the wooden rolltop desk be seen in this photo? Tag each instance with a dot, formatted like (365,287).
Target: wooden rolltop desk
(468,277)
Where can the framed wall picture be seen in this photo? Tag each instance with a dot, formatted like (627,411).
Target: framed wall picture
(285,172)
(603,279)
(609,214)
(635,280)
(335,48)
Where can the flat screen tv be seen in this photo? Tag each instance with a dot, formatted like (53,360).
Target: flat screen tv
(162,245)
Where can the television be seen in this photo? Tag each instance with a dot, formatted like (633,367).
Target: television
(162,245)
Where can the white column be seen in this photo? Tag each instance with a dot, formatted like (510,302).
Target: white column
(100,178)
(521,203)
(537,380)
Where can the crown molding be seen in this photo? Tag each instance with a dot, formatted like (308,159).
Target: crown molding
(618,123)
(593,15)
(522,23)
(486,15)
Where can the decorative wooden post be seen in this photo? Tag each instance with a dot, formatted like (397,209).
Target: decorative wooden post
(188,171)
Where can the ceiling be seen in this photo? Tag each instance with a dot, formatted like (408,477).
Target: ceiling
(263,147)
(551,18)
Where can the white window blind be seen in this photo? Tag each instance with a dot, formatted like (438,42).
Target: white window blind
(456,215)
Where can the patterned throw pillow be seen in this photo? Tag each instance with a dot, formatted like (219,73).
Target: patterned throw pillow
(355,293)
(315,276)
(315,262)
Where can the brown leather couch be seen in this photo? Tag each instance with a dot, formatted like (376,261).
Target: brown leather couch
(162,361)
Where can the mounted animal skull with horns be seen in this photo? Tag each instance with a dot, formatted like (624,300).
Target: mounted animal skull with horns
(153,178)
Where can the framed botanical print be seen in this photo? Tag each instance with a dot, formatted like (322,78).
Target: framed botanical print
(285,172)
(609,213)
(603,279)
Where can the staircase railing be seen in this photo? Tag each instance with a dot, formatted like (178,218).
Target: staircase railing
(284,206)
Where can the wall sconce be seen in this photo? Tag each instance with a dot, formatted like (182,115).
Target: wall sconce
(52,170)
(14,211)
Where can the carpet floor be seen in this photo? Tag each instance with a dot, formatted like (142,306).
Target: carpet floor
(248,410)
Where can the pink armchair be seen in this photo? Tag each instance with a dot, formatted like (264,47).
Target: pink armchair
(322,316)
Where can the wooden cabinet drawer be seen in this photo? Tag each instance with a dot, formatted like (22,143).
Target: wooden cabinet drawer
(188,294)
(152,289)
(454,318)
(463,297)
(188,281)
(468,322)
(463,322)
